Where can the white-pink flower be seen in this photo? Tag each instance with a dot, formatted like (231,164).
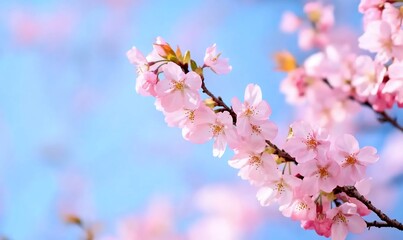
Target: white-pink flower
(145,84)
(301,209)
(178,90)
(186,118)
(368,76)
(395,84)
(278,188)
(380,39)
(136,57)
(352,159)
(393,16)
(307,143)
(319,175)
(367,4)
(252,115)
(253,166)
(212,59)
(218,126)
(372,14)
(345,219)
(319,14)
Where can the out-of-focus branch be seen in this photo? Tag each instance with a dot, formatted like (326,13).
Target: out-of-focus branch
(382,116)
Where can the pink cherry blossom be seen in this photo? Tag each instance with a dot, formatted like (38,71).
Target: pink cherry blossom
(321,225)
(301,209)
(368,76)
(370,15)
(319,175)
(145,84)
(218,65)
(219,127)
(335,64)
(395,84)
(379,38)
(295,86)
(178,90)
(321,15)
(309,38)
(345,219)
(252,116)
(352,159)
(136,57)
(187,118)
(278,188)
(290,22)
(306,142)
(367,4)
(393,16)
(253,166)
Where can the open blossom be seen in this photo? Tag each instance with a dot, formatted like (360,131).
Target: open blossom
(187,118)
(301,209)
(218,126)
(278,188)
(345,219)
(395,84)
(319,175)
(368,76)
(217,64)
(393,16)
(321,225)
(253,166)
(352,159)
(137,58)
(380,39)
(322,16)
(306,143)
(178,89)
(253,114)
(372,14)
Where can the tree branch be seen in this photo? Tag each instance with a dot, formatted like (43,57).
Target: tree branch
(382,116)
(353,192)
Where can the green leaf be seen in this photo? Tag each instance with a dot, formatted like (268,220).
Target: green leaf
(193,64)
(186,58)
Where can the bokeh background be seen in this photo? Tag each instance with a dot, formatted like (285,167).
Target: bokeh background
(75,138)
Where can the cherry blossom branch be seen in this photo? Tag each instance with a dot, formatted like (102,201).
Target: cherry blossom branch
(388,222)
(349,190)
(219,101)
(382,116)
(280,152)
(377,224)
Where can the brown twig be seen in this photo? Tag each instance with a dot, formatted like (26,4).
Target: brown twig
(219,101)
(382,115)
(388,222)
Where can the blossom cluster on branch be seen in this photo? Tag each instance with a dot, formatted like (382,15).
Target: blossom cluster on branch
(334,81)
(317,178)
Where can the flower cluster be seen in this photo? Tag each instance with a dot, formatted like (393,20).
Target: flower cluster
(336,80)
(305,180)
(315,31)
